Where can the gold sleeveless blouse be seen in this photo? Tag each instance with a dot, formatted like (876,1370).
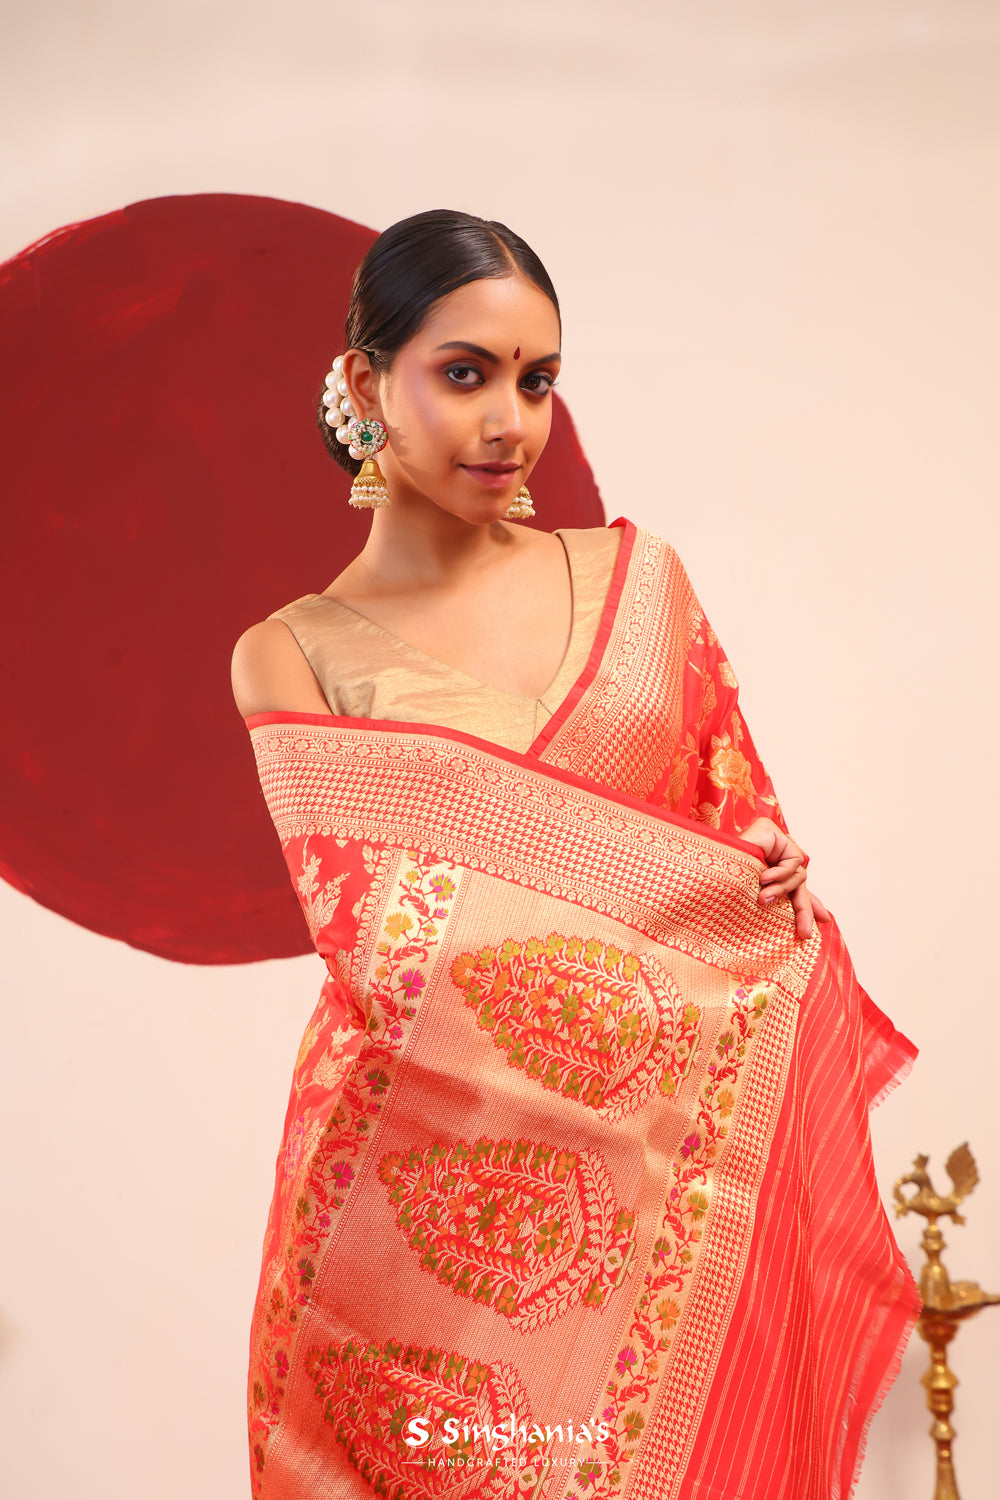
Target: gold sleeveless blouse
(366,672)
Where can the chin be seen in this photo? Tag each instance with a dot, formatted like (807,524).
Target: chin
(482,511)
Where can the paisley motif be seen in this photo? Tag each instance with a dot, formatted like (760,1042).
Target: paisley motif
(583,1018)
(519,1226)
(371,1393)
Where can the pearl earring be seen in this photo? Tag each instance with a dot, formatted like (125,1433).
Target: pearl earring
(520,508)
(363,437)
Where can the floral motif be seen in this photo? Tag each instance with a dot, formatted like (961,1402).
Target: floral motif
(584,1018)
(709,697)
(371,1391)
(729,769)
(365,783)
(362,1070)
(318,902)
(715,775)
(306,1045)
(293,1143)
(519,1226)
(335,1062)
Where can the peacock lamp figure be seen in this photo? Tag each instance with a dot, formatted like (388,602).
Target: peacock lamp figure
(946,1302)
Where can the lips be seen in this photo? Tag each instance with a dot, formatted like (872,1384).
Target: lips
(493,475)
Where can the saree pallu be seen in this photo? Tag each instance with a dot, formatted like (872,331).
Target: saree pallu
(575,1195)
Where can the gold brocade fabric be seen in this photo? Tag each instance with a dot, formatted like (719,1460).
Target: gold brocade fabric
(575,1197)
(366,672)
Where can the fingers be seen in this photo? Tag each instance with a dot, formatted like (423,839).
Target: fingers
(785,874)
(772,842)
(819,910)
(781,880)
(806,908)
(781,854)
(802,906)
(789,869)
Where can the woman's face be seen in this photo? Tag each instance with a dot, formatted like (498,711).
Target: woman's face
(467,403)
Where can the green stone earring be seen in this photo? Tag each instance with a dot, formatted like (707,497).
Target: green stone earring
(367,436)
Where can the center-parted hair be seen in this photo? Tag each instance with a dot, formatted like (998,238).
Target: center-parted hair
(411,266)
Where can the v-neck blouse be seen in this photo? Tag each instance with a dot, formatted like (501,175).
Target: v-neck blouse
(366,672)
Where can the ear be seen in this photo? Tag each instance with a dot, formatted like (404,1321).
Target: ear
(362,382)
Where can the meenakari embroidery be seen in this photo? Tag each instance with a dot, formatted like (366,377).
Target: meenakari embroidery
(499,845)
(525,1228)
(413,923)
(376,1395)
(584,1018)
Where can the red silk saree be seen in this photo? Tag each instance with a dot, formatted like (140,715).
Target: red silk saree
(575,1195)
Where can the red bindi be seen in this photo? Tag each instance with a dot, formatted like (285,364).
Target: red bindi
(517,352)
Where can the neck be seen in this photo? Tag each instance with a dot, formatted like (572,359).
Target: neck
(423,545)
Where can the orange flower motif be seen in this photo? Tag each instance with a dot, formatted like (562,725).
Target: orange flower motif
(668,1311)
(729,769)
(464,969)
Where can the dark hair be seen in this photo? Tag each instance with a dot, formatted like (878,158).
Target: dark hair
(409,267)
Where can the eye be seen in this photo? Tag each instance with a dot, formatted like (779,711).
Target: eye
(538,382)
(459,375)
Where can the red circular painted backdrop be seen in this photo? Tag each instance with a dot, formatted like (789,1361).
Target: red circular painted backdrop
(166,488)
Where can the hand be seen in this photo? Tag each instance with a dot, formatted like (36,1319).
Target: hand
(786,874)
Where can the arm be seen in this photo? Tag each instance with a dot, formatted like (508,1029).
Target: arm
(270,671)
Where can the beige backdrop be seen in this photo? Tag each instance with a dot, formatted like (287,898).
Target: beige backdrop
(775,231)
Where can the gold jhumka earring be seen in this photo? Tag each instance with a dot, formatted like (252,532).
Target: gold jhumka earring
(520,508)
(363,437)
(368,437)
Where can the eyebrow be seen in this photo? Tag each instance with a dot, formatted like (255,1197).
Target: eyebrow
(546,359)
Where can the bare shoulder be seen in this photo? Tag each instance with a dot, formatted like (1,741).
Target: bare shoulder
(269,671)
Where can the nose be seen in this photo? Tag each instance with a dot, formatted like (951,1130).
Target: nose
(504,417)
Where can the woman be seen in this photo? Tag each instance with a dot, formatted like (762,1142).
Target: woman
(578,1130)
